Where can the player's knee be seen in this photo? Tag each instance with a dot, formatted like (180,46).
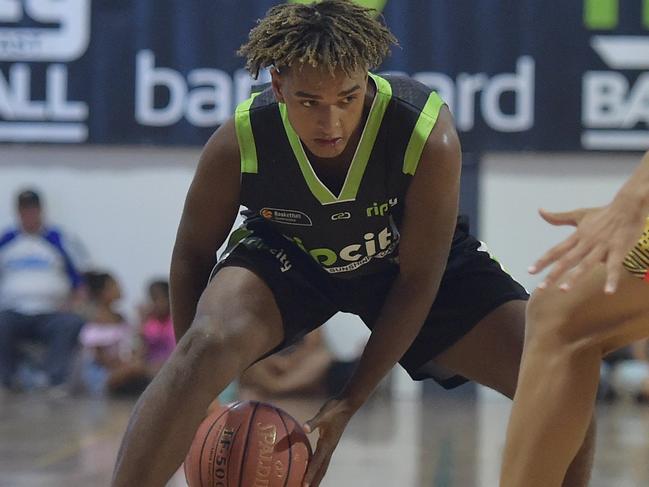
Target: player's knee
(553,326)
(210,338)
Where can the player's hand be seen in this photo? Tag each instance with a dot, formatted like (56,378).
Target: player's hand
(330,422)
(605,234)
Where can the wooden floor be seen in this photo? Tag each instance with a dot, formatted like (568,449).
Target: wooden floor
(443,440)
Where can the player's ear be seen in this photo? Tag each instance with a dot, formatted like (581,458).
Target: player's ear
(276,83)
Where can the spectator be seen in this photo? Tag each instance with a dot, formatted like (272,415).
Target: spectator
(306,368)
(107,338)
(39,277)
(114,360)
(157,329)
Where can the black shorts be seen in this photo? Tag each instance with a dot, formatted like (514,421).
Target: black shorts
(473,285)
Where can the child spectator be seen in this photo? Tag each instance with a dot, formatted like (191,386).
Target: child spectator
(115,360)
(157,330)
(109,361)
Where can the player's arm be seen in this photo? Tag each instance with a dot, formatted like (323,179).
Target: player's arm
(429,222)
(426,235)
(210,209)
(604,234)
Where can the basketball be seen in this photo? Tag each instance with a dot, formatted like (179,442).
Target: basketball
(248,444)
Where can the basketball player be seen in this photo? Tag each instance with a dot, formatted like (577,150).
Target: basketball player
(351,184)
(568,333)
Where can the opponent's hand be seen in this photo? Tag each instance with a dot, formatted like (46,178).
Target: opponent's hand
(330,422)
(605,234)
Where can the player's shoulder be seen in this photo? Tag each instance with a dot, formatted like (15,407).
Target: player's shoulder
(406,92)
(221,155)
(261,98)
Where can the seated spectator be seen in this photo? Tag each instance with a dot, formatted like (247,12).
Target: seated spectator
(117,360)
(307,368)
(106,337)
(157,331)
(39,281)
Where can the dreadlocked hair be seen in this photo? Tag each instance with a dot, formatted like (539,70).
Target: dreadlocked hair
(335,34)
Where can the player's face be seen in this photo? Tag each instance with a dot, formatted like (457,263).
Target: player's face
(324,110)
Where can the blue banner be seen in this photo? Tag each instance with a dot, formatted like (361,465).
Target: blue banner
(525,74)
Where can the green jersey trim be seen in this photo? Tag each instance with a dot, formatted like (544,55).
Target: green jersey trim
(422,130)
(361,156)
(245,137)
(368,138)
(319,190)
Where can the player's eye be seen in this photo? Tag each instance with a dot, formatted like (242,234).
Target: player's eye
(349,99)
(308,103)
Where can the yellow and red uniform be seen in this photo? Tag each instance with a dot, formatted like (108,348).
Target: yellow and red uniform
(637,261)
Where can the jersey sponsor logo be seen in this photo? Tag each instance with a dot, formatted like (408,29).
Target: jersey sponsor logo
(280,255)
(357,254)
(288,217)
(254,242)
(381,209)
(344,215)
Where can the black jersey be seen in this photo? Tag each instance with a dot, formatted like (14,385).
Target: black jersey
(355,232)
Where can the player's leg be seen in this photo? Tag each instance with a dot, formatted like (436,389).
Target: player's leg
(490,354)
(237,321)
(567,335)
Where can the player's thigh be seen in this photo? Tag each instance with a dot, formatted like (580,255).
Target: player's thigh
(238,311)
(490,354)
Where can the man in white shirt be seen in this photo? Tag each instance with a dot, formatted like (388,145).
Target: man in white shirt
(38,275)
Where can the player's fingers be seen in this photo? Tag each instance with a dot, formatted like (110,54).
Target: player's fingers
(313,424)
(561,218)
(565,263)
(595,256)
(321,472)
(613,271)
(553,255)
(321,453)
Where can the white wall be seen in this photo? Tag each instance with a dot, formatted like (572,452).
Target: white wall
(514,186)
(123,203)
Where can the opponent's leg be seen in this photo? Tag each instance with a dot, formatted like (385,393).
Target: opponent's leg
(237,321)
(567,335)
(490,354)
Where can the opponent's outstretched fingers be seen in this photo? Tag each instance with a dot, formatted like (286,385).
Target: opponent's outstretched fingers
(562,218)
(553,255)
(590,260)
(569,260)
(613,271)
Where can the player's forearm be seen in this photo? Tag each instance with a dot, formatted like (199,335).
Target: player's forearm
(189,275)
(401,319)
(634,195)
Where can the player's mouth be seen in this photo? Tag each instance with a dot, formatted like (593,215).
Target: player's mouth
(329,142)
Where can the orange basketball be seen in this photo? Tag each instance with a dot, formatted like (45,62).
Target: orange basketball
(248,444)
